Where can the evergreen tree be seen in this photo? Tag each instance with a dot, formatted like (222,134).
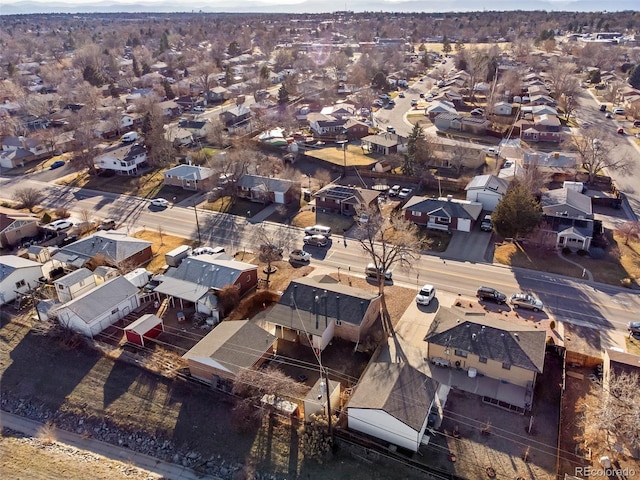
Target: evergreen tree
(283,95)
(136,67)
(164,42)
(446,45)
(634,76)
(409,164)
(93,76)
(168,91)
(517,214)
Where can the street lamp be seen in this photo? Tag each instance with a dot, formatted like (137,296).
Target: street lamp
(342,140)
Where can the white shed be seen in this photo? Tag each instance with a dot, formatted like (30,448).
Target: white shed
(74,284)
(100,307)
(487,190)
(392,403)
(17,275)
(502,108)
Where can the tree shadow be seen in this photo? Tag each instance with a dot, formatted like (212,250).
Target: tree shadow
(121,377)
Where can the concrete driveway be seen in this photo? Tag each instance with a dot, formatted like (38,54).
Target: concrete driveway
(470,246)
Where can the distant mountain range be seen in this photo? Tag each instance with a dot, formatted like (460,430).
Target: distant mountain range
(9,7)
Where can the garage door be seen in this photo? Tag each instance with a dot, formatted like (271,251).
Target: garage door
(464,225)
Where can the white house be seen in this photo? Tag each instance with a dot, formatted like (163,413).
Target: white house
(124,159)
(17,274)
(74,284)
(502,108)
(487,190)
(392,403)
(95,310)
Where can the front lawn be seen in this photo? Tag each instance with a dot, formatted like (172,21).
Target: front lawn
(147,185)
(162,244)
(240,206)
(335,155)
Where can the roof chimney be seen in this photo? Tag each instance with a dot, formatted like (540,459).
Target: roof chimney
(449,198)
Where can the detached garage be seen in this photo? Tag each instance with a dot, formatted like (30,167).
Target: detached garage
(487,190)
(95,310)
(147,326)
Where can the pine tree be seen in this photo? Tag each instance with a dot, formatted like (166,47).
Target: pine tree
(283,95)
(634,76)
(517,214)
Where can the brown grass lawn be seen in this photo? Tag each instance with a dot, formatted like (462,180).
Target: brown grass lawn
(335,155)
(160,247)
(338,223)
(148,185)
(633,345)
(240,206)
(620,262)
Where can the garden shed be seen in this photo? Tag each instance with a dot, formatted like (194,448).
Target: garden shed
(147,326)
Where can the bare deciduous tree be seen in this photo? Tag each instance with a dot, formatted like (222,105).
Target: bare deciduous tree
(388,242)
(597,153)
(272,243)
(629,230)
(28,197)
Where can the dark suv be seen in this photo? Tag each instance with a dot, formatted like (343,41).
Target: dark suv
(488,293)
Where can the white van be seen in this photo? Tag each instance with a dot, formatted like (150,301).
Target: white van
(318,230)
(129,137)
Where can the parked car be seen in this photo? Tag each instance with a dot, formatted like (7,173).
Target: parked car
(636,123)
(316,240)
(620,131)
(391,129)
(372,271)
(318,230)
(207,250)
(486,225)
(477,112)
(426,294)
(299,256)
(129,137)
(401,95)
(525,300)
(378,103)
(159,202)
(492,151)
(634,327)
(603,108)
(69,239)
(405,192)
(108,224)
(618,111)
(198,109)
(488,293)
(608,115)
(422,95)
(414,103)
(60,225)
(57,164)
(395,190)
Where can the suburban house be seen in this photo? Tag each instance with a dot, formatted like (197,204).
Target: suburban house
(16,151)
(178,137)
(543,128)
(503,108)
(498,360)
(197,279)
(487,190)
(356,129)
(447,214)
(453,121)
(170,108)
(217,95)
(560,166)
(438,107)
(348,201)
(197,128)
(262,189)
(14,226)
(570,215)
(236,116)
(74,284)
(111,248)
(229,348)
(190,177)
(17,275)
(96,309)
(123,159)
(542,100)
(325,125)
(392,403)
(313,310)
(383,143)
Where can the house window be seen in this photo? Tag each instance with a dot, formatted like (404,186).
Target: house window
(20,284)
(416,214)
(506,366)
(338,322)
(115,310)
(60,287)
(483,359)
(460,353)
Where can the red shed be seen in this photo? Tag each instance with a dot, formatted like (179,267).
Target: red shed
(147,326)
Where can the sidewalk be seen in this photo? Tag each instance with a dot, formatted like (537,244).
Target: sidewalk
(585,273)
(263,214)
(166,470)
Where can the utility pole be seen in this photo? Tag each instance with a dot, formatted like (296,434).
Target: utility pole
(195,209)
(328,390)
(342,141)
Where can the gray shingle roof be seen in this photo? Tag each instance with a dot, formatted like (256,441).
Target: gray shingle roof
(204,272)
(191,172)
(115,246)
(101,299)
(74,277)
(397,388)
(451,208)
(233,344)
(299,310)
(490,182)
(504,342)
(565,199)
(270,184)
(11,263)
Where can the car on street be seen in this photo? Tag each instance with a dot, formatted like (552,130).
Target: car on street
(488,293)
(299,256)
(198,109)
(492,151)
(636,123)
(608,115)
(422,95)
(57,164)
(603,108)
(486,225)
(414,102)
(618,111)
(108,224)
(316,240)
(401,95)
(524,300)
(477,112)
(426,294)
(378,103)
(391,130)
(159,202)
(60,225)
(620,131)
(395,190)
(634,327)
(405,192)
(372,271)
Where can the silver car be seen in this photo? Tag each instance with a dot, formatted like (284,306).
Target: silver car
(524,300)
